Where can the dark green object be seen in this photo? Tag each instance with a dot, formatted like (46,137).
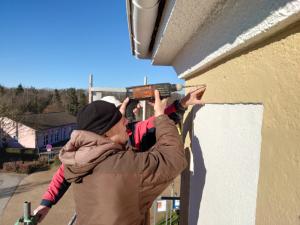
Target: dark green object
(27,218)
(174,220)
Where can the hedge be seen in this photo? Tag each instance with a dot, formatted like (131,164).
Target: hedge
(24,167)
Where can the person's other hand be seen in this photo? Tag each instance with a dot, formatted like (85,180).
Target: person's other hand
(40,212)
(124,105)
(193,98)
(159,105)
(137,109)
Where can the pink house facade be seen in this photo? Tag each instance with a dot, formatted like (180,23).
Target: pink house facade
(37,130)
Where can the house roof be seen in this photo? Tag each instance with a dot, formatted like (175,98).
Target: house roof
(47,120)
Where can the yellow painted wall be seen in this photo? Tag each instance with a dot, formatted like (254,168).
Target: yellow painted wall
(268,73)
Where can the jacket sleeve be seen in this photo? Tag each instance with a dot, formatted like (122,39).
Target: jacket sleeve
(142,135)
(166,159)
(140,128)
(140,131)
(56,189)
(175,111)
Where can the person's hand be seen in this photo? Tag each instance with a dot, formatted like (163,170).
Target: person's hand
(40,212)
(159,105)
(137,109)
(124,105)
(193,98)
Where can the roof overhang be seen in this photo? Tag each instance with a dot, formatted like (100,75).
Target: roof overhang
(142,18)
(192,35)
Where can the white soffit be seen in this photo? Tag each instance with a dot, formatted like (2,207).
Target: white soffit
(180,21)
(235,25)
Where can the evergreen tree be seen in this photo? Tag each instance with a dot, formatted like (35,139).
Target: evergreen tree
(82,99)
(72,101)
(20,89)
(2,90)
(57,97)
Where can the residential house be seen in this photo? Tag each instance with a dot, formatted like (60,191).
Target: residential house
(243,145)
(38,130)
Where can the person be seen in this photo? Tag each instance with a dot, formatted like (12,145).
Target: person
(114,184)
(142,137)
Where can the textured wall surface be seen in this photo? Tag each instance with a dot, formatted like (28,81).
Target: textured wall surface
(230,27)
(225,164)
(220,26)
(268,73)
(180,21)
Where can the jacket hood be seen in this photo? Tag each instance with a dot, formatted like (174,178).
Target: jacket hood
(83,152)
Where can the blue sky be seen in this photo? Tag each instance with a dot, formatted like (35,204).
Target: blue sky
(58,43)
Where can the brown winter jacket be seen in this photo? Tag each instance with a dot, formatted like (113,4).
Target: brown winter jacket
(115,185)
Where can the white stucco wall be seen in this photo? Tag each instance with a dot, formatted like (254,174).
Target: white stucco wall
(224,165)
(236,25)
(194,34)
(180,21)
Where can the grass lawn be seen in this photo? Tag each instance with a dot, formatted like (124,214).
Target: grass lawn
(28,151)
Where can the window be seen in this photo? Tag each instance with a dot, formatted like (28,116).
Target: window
(56,136)
(64,136)
(46,139)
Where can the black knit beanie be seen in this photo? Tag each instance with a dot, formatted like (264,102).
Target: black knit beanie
(98,116)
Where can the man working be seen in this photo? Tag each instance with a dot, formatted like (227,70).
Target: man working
(112,183)
(142,136)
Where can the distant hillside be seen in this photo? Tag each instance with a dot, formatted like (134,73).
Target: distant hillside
(21,100)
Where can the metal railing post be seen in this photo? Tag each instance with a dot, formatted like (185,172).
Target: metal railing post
(167,215)
(73,219)
(27,212)
(154,211)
